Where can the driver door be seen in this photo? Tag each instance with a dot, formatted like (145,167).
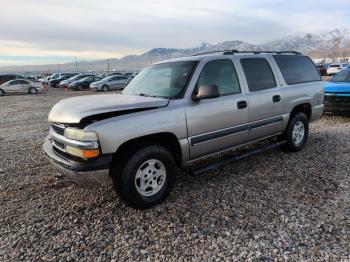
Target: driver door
(113,82)
(220,123)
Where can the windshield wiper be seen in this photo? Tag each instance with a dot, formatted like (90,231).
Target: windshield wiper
(146,95)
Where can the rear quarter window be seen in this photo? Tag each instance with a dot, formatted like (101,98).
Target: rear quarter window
(297,69)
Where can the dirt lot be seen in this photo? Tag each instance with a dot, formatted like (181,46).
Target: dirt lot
(272,206)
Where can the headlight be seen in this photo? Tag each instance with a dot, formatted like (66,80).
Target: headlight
(83,153)
(79,134)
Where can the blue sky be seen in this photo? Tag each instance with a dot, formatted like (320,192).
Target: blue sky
(49,31)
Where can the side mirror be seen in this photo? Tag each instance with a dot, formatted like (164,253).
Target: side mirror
(206,92)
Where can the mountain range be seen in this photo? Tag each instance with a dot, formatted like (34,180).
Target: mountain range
(332,44)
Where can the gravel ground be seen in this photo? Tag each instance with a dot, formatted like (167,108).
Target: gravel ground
(269,207)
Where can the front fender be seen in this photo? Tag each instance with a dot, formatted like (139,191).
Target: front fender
(115,131)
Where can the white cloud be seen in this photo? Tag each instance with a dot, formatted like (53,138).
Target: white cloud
(96,29)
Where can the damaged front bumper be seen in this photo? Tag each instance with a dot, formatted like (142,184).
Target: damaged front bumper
(84,173)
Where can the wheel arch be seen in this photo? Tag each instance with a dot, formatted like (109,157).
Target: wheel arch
(165,139)
(302,108)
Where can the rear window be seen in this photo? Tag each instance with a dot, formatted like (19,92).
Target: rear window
(258,74)
(334,66)
(297,69)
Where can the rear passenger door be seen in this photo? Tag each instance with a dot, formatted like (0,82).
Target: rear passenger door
(25,85)
(218,123)
(265,101)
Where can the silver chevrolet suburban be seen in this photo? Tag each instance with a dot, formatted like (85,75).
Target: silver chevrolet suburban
(178,111)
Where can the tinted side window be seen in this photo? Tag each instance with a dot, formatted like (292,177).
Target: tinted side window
(23,82)
(297,69)
(258,73)
(15,82)
(221,73)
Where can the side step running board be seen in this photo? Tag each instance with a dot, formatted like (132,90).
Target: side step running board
(216,165)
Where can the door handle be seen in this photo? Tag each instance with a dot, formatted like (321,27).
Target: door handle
(276,98)
(242,104)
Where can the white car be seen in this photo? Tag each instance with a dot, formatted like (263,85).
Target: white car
(20,86)
(336,68)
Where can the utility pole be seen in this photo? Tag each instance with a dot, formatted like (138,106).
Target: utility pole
(108,65)
(76,64)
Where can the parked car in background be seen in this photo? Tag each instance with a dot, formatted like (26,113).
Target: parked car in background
(20,86)
(34,78)
(53,77)
(65,83)
(128,74)
(55,82)
(181,110)
(110,83)
(337,92)
(102,75)
(83,83)
(7,77)
(335,68)
(322,68)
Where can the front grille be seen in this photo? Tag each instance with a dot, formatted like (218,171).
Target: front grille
(59,129)
(337,102)
(58,144)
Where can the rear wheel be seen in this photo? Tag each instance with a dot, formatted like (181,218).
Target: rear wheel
(147,177)
(297,132)
(2,92)
(105,88)
(33,91)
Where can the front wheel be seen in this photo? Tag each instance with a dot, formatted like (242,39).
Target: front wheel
(297,132)
(105,88)
(33,91)
(2,92)
(147,177)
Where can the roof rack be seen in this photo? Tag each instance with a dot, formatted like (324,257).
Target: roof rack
(212,52)
(235,51)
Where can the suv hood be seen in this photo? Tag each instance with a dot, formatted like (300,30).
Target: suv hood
(337,87)
(73,110)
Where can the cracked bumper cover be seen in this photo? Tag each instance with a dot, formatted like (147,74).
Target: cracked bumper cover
(85,173)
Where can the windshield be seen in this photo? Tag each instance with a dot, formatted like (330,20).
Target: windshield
(343,76)
(76,77)
(54,76)
(167,80)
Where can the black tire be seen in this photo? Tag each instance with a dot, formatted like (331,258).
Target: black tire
(125,181)
(2,92)
(32,91)
(294,144)
(105,88)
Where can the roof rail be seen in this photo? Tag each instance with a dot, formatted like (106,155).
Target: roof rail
(212,52)
(234,51)
(262,52)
